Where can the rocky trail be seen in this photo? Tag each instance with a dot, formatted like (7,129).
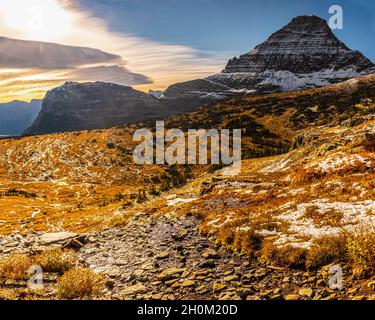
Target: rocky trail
(166,258)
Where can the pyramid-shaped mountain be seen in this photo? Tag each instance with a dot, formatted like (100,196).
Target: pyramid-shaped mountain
(303,54)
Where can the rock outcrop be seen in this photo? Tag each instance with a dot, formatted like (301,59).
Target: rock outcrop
(305,45)
(303,54)
(74,107)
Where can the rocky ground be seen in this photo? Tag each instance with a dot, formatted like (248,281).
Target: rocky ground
(165,258)
(171,232)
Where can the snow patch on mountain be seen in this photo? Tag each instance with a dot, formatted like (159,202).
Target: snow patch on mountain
(289,81)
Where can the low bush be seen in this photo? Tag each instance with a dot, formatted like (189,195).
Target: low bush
(326,250)
(15,267)
(80,283)
(288,256)
(56,260)
(361,247)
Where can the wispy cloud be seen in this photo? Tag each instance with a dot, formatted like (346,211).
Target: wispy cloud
(25,65)
(162,64)
(43,55)
(115,74)
(29,68)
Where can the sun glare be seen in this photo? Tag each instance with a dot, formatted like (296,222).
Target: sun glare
(43,20)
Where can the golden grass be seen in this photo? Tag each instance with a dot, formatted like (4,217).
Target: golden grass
(361,247)
(234,217)
(80,283)
(357,248)
(8,294)
(288,256)
(56,260)
(326,250)
(80,179)
(116,220)
(15,267)
(100,181)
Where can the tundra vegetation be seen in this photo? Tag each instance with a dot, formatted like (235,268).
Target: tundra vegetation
(304,200)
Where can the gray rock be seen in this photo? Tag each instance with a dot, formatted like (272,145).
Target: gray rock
(50,238)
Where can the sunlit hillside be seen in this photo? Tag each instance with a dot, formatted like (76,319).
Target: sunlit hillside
(304,200)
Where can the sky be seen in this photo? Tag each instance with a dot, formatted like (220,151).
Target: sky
(147,44)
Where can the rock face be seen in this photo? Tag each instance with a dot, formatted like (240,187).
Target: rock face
(16,116)
(74,107)
(305,45)
(303,54)
(182,97)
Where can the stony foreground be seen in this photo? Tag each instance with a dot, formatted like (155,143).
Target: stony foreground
(165,258)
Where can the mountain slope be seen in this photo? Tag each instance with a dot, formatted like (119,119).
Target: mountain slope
(74,107)
(312,124)
(266,233)
(271,122)
(16,116)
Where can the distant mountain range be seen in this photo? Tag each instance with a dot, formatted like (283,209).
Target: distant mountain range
(304,54)
(16,116)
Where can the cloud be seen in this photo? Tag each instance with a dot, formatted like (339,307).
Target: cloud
(114,74)
(43,55)
(140,62)
(163,63)
(29,68)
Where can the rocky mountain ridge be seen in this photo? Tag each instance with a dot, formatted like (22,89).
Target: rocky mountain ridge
(82,106)
(304,54)
(305,45)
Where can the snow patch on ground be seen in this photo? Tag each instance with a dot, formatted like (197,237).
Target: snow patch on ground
(234,184)
(354,214)
(341,160)
(277,165)
(179,201)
